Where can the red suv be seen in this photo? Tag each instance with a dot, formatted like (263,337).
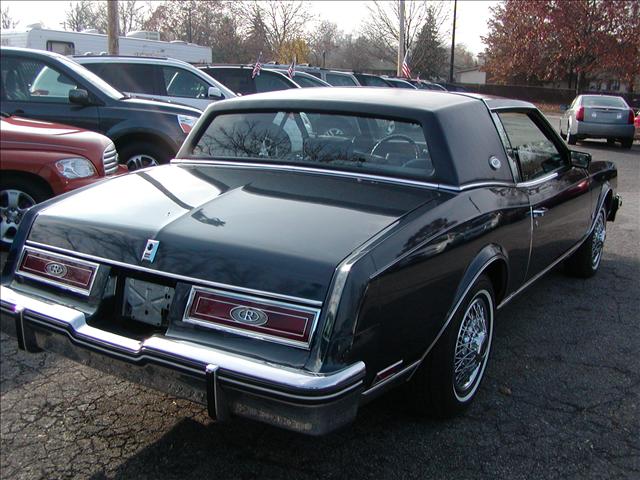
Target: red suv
(39,160)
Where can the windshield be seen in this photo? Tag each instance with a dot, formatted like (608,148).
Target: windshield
(603,101)
(321,140)
(92,78)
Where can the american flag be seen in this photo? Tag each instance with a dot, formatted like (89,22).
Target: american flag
(291,71)
(257,67)
(406,71)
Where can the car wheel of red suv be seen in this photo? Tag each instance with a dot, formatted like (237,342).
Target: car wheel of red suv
(17,195)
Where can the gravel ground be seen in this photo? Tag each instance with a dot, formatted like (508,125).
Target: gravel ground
(560,400)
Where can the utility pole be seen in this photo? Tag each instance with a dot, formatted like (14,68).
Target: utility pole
(401,40)
(453,40)
(113,29)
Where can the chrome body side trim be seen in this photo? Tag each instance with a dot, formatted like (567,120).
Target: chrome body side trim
(340,173)
(558,260)
(248,333)
(496,183)
(324,171)
(55,283)
(380,386)
(537,181)
(175,276)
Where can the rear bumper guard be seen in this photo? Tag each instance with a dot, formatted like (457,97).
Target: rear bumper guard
(228,384)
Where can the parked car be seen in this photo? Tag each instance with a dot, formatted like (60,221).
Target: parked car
(39,160)
(424,85)
(334,78)
(280,273)
(637,124)
(399,83)
(598,116)
(368,80)
(164,79)
(240,79)
(306,80)
(51,87)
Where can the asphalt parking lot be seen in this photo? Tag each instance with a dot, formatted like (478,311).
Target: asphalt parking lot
(561,399)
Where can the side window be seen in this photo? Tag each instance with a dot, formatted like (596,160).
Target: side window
(182,83)
(26,80)
(338,80)
(133,78)
(63,48)
(527,145)
(236,79)
(268,82)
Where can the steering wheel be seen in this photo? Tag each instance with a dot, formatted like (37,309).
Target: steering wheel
(395,136)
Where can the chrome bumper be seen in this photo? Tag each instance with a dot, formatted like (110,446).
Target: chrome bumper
(228,384)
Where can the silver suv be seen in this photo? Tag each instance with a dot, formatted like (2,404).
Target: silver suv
(165,79)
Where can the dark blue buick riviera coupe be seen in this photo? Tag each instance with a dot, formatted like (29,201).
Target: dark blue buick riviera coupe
(310,249)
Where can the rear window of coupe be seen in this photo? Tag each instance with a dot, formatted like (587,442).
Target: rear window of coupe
(320,140)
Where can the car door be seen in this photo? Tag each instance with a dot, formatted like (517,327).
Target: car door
(559,194)
(182,86)
(39,89)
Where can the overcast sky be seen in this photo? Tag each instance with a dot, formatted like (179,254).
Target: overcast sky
(472,16)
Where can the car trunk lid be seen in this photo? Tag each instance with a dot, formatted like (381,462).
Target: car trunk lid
(272,231)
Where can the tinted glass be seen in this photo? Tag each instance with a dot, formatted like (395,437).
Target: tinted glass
(603,101)
(236,79)
(529,147)
(339,80)
(372,81)
(271,81)
(320,140)
(305,81)
(401,84)
(181,83)
(34,81)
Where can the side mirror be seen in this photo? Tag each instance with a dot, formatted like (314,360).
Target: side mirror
(580,159)
(79,96)
(215,93)
(564,107)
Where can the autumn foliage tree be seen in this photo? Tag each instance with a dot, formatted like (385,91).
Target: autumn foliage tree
(552,40)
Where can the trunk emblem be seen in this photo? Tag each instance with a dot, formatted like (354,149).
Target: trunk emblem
(150,250)
(56,269)
(249,316)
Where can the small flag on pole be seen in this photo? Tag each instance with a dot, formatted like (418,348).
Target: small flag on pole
(406,71)
(257,67)
(291,71)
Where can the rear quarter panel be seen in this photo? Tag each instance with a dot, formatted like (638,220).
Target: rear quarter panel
(421,270)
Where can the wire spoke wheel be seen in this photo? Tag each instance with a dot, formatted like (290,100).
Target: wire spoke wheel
(472,346)
(597,242)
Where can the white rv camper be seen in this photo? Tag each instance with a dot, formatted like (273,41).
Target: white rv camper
(79,43)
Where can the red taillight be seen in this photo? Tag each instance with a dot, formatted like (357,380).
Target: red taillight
(580,114)
(59,270)
(266,319)
(632,118)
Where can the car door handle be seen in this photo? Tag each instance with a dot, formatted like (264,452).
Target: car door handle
(539,212)
(18,112)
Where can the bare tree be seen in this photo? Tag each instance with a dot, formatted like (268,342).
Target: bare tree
(80,16)
(276,23)
(381,27)
(324,40)
(87,14)
(7,20)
